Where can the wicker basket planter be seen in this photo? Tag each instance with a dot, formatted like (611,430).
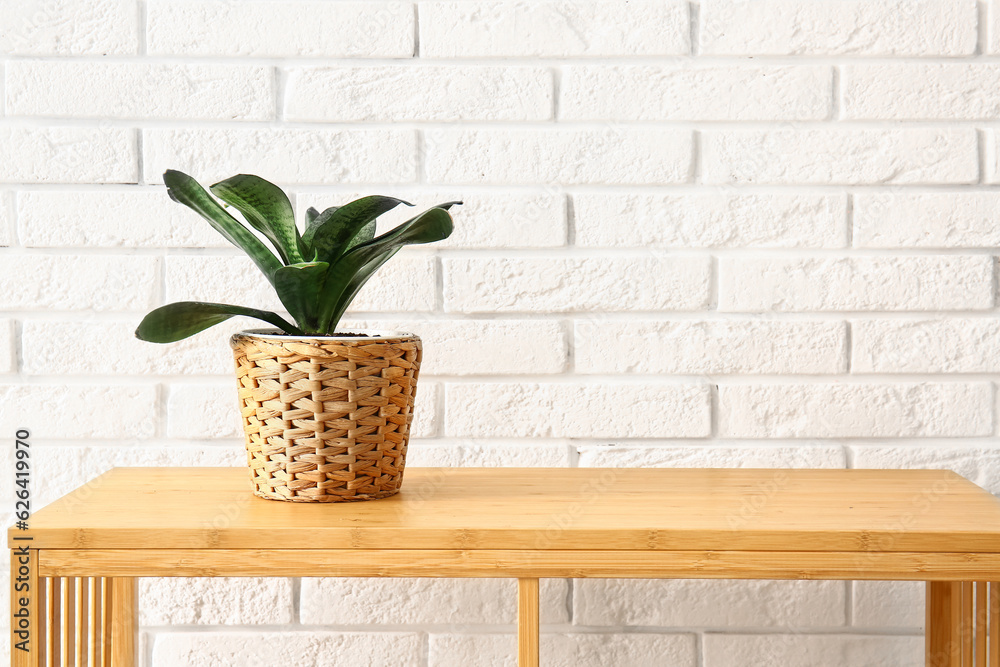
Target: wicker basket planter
(327,419)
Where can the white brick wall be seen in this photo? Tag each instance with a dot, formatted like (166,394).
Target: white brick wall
(712,233)
(273,28)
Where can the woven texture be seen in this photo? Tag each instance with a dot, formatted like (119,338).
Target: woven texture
(326,420)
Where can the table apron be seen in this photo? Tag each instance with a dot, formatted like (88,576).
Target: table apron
(873,565)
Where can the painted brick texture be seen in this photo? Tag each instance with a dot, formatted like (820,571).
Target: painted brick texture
(720,233)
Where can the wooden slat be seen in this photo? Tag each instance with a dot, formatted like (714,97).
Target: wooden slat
(995,624)
(512,563)
(124,607)
(527,623)
(82,609)
(943,647)
(53,629)
(106,599)
(94,622)
(24,586)
(533,508)
(69,620)
(968,623)
(43,617)
(956,623)
(982,621)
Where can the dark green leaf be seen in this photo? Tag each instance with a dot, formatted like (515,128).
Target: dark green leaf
(312,224)
(298,287)
(355,283)
(360,262)
(185,190)
(267,209)
(364,235)
(337,229)
(311,214)
(177,321)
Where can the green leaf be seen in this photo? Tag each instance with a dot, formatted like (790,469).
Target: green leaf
(363,235)
(298,287)
(337,229)
(355,283)
(177,321)
(311,214)
(185,190)
(346,277)
(267,209)
(313,224)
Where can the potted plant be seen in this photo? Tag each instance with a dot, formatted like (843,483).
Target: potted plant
(326,414)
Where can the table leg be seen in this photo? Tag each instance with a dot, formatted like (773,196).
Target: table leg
(25,633)
(124,611)
(527,622)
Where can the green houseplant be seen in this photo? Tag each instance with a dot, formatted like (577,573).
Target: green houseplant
(326,415)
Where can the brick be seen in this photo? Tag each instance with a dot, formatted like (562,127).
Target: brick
(923,283)
(566,650)
(577,410)
(78,282)
(910,409)
(888,604)
(69,27)
(45,351)
(954,345)
(992,156)
(305,647)
(891,91)
(636,283)
(483,347)
(426,410)
(492,454)
(8,358)
(926,220)
(403,93)
(280,29)
(404,284)
(979,463)
(839,27)
(134,218)
(352,601)
(7,519)
(609,155)
(723,650)
(6,218)
(79,411)
(658,93)
(67,89)
(708,602)
(715,220)
(550,28)
(838,156)
(992,44)
(291,155)
(203,411)
(486,219)
(67,155)
(709,347)
(737,455)
(69,465)
(215,601)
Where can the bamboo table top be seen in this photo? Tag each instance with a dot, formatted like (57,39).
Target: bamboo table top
(539,510)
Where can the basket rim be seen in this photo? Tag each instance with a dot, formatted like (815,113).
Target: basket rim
(370,334)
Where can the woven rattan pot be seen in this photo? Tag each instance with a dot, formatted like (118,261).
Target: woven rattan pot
(327,419)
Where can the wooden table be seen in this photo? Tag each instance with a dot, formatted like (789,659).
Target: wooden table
(83,553)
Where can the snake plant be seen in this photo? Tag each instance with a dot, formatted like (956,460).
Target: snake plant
(316,274)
